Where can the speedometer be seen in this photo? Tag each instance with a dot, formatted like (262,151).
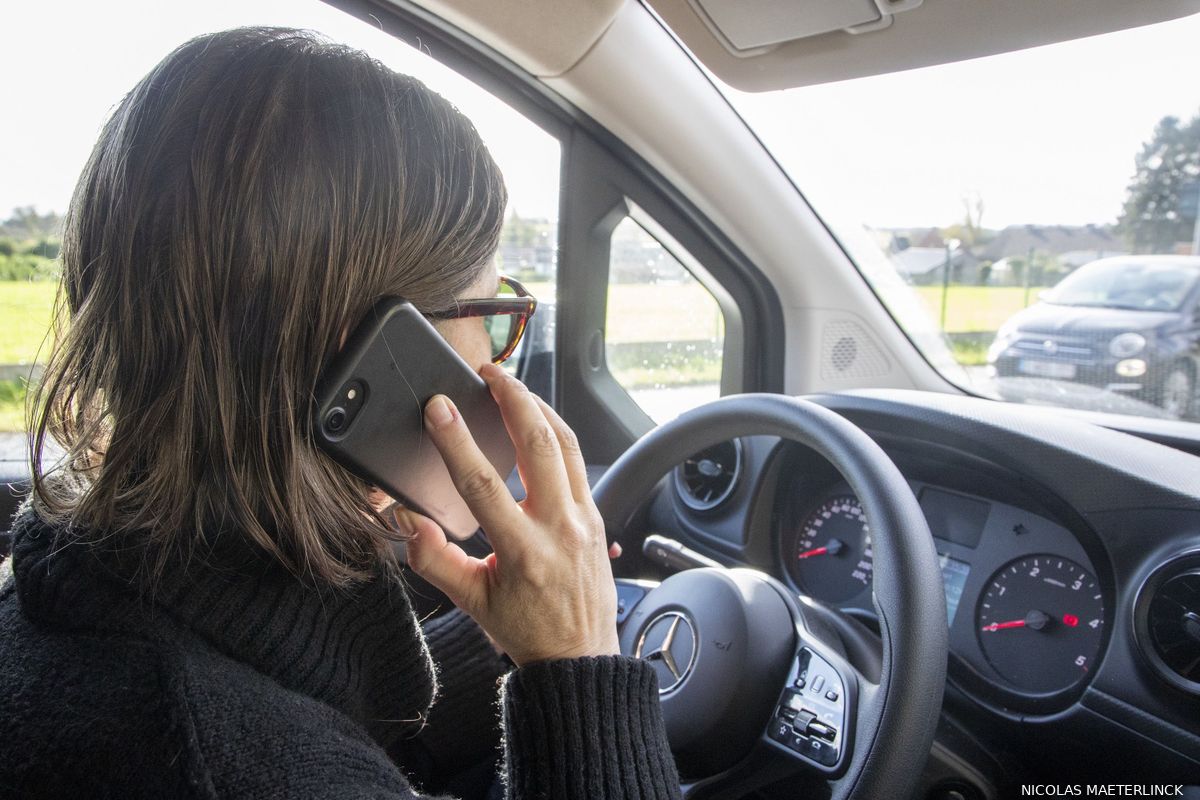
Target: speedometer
(1040,622)
(830,553)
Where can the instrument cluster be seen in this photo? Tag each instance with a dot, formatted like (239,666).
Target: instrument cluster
(1026,612)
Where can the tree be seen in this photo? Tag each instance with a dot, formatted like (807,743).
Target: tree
(970,231)
(985,273)
(521,232)
(29,244)
(26,223)
(1161,200)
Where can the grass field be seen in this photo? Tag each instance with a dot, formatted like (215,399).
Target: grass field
(641,313)
(12,405)
(637,313)
(975,308)
(24,319)
(666,313)
(655,313)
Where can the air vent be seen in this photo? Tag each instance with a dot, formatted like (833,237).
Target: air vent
(708,478)
(1168,621)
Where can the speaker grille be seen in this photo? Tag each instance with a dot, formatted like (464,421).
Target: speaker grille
(845,351)
(849,353)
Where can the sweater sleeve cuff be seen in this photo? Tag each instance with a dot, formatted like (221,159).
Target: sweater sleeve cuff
(463,725)
(586,728)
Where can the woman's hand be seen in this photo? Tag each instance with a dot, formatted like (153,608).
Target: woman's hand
(547,590)
(614,551)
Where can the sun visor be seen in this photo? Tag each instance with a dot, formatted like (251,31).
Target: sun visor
(773,23)
(761,45)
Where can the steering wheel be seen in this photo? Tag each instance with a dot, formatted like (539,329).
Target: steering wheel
(752,685)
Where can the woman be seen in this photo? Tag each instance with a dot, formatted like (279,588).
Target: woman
(203,604)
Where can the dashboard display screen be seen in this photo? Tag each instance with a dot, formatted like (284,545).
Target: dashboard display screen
(954,578)
(954,517)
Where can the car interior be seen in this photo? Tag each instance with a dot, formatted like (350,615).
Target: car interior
(855,576)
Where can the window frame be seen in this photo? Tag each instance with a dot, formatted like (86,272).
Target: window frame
(604,417)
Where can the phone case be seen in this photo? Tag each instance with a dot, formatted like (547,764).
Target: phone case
(388,369)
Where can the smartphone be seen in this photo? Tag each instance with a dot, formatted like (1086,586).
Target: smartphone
(369,412)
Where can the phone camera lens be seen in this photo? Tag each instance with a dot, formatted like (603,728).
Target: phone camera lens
(335,420)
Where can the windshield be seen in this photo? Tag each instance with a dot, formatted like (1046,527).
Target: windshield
(1135,285)
(967,193)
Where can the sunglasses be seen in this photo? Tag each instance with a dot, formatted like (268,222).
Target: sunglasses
(505,316)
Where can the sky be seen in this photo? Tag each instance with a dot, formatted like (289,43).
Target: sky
(1042,136)
(1045,136)
(78,59)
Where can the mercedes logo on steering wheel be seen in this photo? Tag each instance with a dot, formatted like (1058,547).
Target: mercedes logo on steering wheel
(669,644)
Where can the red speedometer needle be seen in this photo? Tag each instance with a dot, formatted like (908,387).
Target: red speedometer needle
(998,626)
(832,547)
(1034,619)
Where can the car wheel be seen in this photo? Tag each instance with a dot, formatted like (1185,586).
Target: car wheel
(1176,392)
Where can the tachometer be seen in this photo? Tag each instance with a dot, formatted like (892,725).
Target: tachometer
(1040,622)
(830,556)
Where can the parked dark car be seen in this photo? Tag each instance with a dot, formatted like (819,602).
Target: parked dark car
(1130,325)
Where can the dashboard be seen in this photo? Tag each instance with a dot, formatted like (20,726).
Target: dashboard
(1070,559)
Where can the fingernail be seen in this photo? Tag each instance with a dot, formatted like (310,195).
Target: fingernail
(490,371)
(439,412)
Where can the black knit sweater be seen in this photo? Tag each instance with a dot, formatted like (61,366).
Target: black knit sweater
(243,683)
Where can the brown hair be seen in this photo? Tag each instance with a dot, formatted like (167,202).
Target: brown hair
(246,203)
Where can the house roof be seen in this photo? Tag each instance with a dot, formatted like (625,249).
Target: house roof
(923,260)
(1017,240)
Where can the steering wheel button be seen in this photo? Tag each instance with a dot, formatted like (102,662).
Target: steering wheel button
(800,683)
(628,596)
(824,753)
(818,683)
(826,732)
(832,695)
(803,719)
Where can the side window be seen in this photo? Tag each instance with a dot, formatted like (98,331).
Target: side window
(664,330)
(36,191)
(28,282)
(529,252)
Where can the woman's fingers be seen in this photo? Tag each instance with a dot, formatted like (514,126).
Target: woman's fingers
(547,549)
(473,475)
(539,457)
(443,563)
(572,456)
